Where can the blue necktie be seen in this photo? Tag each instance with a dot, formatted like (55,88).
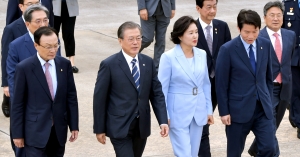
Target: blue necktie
(252,58)
(135,74)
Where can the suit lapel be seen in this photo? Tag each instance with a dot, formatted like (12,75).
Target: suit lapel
(284,46)
(125,68)
(198,62)
(264,34)
(184,64)
(201,39)
(21,26)
(142,67)
(259,54)
(215,36)
(243,54)
(29,45)
(40,75)
(59,76)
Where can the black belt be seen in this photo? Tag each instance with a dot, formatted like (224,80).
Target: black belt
(276,84)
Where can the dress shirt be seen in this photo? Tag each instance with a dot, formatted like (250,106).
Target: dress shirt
(52,70)
(246,45)
(204,25)
(31,36)
(129,59)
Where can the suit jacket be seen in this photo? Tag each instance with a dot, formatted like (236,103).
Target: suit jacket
(178,82)
(117,101)
(238,85)
(151,5)
(72,5)
(14,12)
(288,46)
(10,33)
(291,21)
(19,49)
(221,35)
(33,111)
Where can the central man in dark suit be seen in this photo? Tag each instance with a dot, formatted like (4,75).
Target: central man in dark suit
(213,33)
(244,85)
(126,82)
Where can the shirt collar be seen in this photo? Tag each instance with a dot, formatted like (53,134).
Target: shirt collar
(129,58)
(246,45)
(271,32)
(31,35)
(203,24)
(42,61)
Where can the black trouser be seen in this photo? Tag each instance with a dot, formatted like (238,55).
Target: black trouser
(204,150)
(67,26)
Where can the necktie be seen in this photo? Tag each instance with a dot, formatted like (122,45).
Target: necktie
(49,79)
(278,52)
(135,74)
(209,39)
(252,58)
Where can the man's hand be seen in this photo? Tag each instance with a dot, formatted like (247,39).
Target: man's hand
(19,142)
(144,14)
(6,91)
(226,120)
(172,14)
(210,119)
(74,136)
(101,138)
(164,130)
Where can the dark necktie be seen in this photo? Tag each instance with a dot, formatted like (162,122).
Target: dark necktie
(135,74)
(252,58)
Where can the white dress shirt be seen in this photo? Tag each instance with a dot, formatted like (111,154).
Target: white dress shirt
(129,59)
(203,25)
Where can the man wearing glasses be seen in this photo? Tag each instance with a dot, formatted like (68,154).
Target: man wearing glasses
(45,100)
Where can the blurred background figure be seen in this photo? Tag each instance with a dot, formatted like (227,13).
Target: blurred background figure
(65,12)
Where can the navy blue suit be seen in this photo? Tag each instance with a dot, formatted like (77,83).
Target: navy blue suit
(19,49)
(33,110)
(221,34)
(292,22)
(245,95)
(14,12)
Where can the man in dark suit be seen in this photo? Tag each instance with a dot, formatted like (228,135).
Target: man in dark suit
(283,42)
(210,41)
(10,33)
(45,100)
(244,87)
(13,11)
(126,82)
(155,17)
(292,22)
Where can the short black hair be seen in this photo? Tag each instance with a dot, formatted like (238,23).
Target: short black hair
(200,2)
(47,31)
(127,25)
(180,26)
(271,4)
(249,17)
(21,1)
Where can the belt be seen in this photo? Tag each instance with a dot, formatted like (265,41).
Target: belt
(276,84)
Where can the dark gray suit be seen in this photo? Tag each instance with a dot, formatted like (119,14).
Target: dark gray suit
(159,13)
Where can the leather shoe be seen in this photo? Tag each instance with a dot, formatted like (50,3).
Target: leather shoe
(75,69)
(298,133)
(292,123)
(5,106)
(251,153)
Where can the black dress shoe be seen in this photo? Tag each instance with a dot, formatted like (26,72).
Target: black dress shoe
(292,123)
(298,133)
(75,69)
(251,153)
(5,106)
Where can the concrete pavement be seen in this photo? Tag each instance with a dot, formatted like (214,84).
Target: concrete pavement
(96,39)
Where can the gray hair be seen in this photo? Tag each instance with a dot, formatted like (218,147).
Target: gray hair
(271,4)
(127,25)
(36,7)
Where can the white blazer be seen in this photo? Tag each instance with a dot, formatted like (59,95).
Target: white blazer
(72,5)
(179,85)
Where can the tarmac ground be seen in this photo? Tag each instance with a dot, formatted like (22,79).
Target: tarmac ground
(96,39)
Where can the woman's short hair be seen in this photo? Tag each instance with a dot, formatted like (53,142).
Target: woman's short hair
(180,26)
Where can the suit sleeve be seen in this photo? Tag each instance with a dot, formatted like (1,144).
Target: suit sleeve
(164,75)
(157,99)
(207,89)
(72,105)
(7,38)
(18,104)
(100,97)
(13,11)
(11,62)
(222,80)
(141,4)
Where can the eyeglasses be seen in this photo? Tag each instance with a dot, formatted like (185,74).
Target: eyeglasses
(278,16)
(131,39)
(55,47)
(38,22)
(29,4)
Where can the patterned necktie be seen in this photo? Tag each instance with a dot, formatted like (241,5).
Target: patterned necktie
(209,39)
(135,74)
(278,52)
(49,79)
(252,58)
